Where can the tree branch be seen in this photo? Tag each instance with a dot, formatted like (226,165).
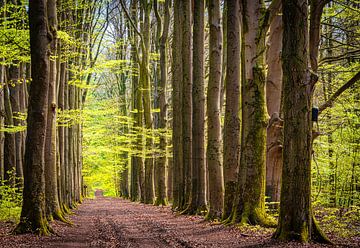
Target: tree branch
(347,85)
(130,20)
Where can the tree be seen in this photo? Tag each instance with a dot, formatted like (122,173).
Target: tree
(274,129)
(249,204)
(51,179)
(33,209)
(187,102)
(213,156)
(161,162)
(232,108)
(178,178)
(296,220)
(197,203)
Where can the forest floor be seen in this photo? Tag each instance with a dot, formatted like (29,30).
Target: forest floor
(114,222)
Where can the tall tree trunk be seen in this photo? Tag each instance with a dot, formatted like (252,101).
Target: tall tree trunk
(198,200)
(2,117)
(15,88)
(249,205)
(33,209)
(214,160)
(186,98)
(61,135)
(296,221)
(178,176)
(51,180)
(161,162)
(136,160)
(232,108)
(274,130)
(9,141)
(145,82)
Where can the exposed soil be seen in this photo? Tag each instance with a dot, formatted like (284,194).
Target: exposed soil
(113,222)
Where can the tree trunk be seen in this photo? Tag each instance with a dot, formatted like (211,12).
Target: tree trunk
(15,88)
(198,201)
(249,205)
(274,130)
(136,160)
(232,108)
(2,117)
(214,160)
(33,209)
(145,83)
(186,98)
(178,176)
(51,186)
(161,162)
(296,221)
(9,142)
(61,134)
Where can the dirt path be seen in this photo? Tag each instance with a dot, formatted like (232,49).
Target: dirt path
(110,222)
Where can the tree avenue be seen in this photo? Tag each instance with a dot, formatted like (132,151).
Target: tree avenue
(244,112)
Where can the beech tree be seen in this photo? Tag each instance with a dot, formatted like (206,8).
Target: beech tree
(296,220)
(232,109)
(213,154)
(33,217)
(198,203)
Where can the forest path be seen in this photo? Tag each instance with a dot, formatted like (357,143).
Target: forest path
(114,222)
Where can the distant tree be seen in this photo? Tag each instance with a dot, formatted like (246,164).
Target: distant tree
(160,164)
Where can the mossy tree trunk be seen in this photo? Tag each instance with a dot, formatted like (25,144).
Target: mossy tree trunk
(197,203)
(214,158)
(296,221)
(249,205)
(33,209)
(232,108)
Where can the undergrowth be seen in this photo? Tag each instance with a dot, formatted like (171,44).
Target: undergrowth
(343,222)
(10,202)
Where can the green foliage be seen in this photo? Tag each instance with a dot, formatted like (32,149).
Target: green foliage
(10,201)
(343,222)
(14,34)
